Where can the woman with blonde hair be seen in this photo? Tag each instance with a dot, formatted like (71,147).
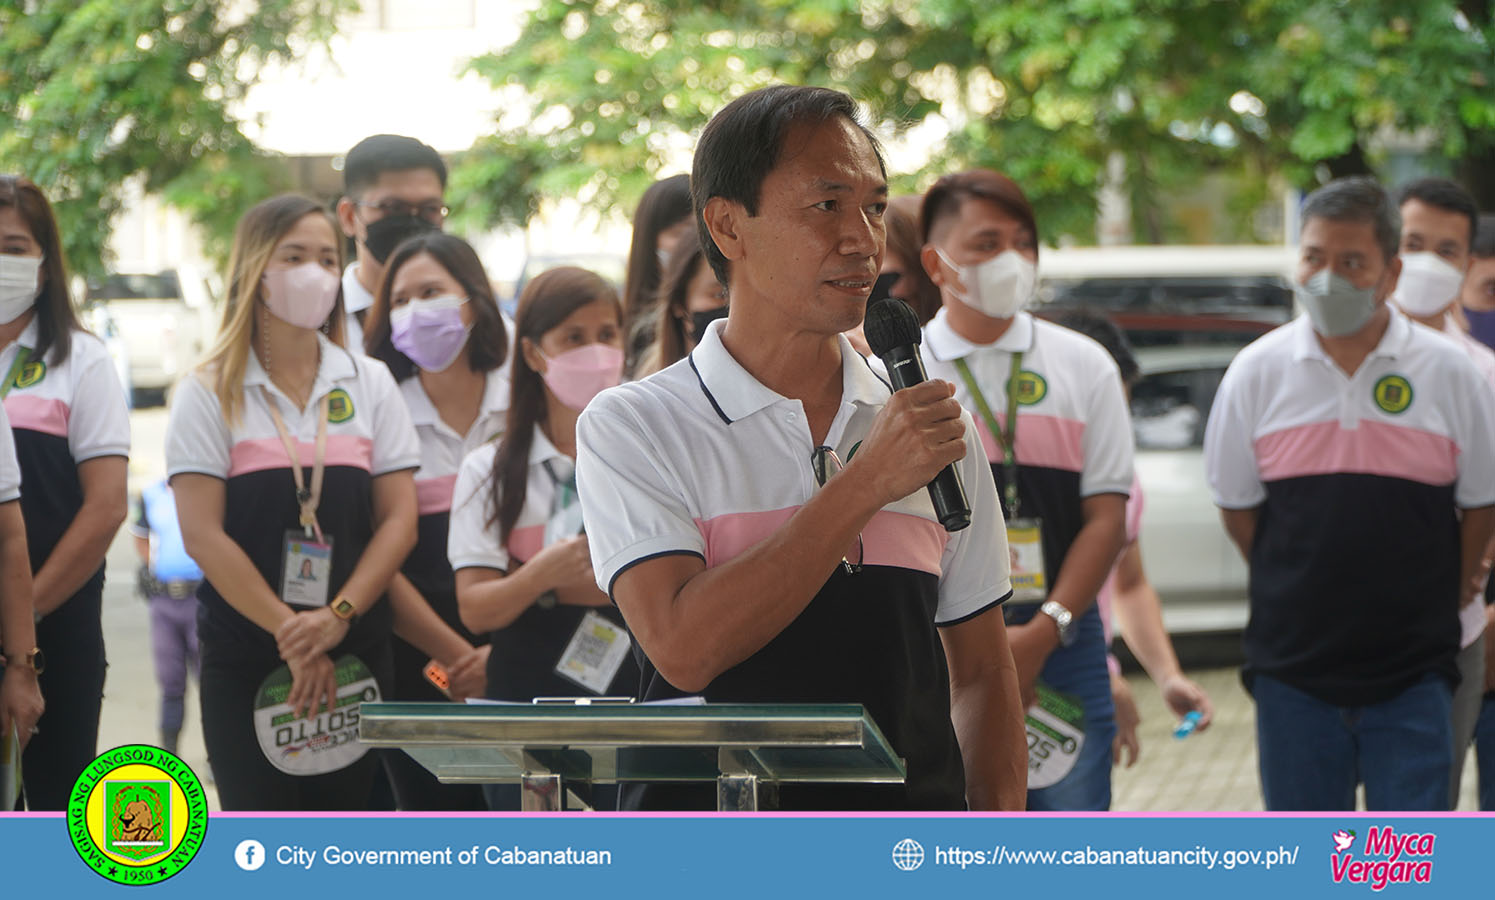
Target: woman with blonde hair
(72,439)
(284,447)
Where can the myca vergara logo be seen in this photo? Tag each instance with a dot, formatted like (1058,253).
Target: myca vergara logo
(1389,858)
(137,815)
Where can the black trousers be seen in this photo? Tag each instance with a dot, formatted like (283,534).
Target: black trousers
(231,675)
(413,787)
(72,685)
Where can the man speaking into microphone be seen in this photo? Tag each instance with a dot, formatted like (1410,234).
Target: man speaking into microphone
(758,511)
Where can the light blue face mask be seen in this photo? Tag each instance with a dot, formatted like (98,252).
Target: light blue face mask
(1334,305)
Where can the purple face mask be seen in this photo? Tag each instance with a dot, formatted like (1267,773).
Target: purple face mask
(1481,325)
(430,332)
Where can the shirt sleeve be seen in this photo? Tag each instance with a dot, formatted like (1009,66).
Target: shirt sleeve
(98,418)
(396,444)
(1229,448)
(974,573)
(1107,439)
(471,542)
(1475,429)
(633,507)
(10,469)
(198,440)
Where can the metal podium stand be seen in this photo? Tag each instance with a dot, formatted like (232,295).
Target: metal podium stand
(542,747)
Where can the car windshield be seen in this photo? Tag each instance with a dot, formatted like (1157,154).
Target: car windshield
(162,286)
(1184,332)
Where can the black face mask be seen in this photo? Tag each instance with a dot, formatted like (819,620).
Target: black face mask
(703,317)
(387,233)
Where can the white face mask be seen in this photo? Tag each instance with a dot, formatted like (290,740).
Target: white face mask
(998,287)
(18,285)
(1428,284)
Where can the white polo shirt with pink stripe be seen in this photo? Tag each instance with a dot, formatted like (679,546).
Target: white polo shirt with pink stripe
(1074,434)
(62,412)
(472,541)
(10,470)
(369,434)
(1357,480)
(702,459)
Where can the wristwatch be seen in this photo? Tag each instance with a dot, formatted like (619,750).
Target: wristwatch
(344,609)
(1063,618)
(33,659)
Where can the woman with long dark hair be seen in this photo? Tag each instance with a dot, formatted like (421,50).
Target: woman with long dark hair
(284,447)
(523,569)
(690,299)
(660,223)
(435,323)
(72,437)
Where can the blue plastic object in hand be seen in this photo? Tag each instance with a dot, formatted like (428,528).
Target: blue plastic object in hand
(1187,726)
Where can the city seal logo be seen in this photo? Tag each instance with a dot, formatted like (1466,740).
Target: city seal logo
(1031,388)
(31,374)
(1393,394)
(137,815)
(339,407)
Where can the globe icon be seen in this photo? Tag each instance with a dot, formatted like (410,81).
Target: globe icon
(908,854)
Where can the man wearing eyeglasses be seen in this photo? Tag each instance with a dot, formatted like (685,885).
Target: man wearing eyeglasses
(392,189)
(757,510)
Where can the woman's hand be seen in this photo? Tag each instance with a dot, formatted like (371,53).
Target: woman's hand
(20,702)
(566,563)
(313,684)
(468,676)
(310,633)
(1127,720)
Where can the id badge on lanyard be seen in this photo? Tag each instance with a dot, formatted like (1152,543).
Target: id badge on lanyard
(595,654)
(306,563)
(1024,534)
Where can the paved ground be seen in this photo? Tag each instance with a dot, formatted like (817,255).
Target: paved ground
(1215,770)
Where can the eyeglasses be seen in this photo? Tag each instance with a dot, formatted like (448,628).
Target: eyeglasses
(825,463)
(435,213)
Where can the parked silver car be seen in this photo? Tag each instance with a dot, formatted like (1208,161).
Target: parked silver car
(1186,311)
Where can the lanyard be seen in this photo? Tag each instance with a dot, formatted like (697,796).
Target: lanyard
(306,498)
(1008,435)
(22,358)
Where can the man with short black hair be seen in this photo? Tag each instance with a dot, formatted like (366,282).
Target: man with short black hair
(749,565)
(1439,223)
(1352,455)
(392,189)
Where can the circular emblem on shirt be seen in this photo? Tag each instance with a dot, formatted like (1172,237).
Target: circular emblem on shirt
(137,815)
(31,373)
(339,407)
(1031,388)
(1393,394)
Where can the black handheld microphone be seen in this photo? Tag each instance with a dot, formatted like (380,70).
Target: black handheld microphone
(892,331)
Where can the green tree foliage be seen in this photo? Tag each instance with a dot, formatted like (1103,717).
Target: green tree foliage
(96,92)
(606,92)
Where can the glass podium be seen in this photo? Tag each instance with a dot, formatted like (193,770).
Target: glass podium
(744,748)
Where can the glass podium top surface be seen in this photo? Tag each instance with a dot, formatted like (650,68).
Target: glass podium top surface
(462,743)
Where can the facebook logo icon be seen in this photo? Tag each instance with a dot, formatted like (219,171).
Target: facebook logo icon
(250,855)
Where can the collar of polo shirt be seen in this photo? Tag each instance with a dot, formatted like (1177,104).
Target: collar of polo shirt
(736,394)
(337,365)
(423,411)
(356,298)
(1393,342)
(541,449)
(941,341)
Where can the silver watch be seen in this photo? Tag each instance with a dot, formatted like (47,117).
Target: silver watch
(1063,618)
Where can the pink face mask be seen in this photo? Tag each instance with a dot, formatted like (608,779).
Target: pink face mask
(302,296)
(576,376)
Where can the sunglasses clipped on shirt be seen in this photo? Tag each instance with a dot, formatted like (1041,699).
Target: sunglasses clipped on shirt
(825,463)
